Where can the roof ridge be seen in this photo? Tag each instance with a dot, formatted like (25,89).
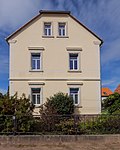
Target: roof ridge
(55,11)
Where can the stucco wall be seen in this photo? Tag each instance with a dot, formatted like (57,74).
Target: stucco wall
(55,63)
(89,92)
(55,54)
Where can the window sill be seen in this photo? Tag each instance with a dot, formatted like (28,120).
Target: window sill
(62,36)
(37,105)
(45,36)
(78,106)
(75,71)
(35,70)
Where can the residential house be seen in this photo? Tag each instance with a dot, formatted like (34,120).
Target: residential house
(54,52)
(106,92)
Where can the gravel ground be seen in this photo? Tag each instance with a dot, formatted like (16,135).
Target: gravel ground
(91,145)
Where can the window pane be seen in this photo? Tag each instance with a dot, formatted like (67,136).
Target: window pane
(35,61)
(33,64)
(74,90)
(73,56)
(71,64)
(34,99)
(36,95)
(35,90)
(76,99)
(75,64)
(74,94)
(61,29)
(47,29)
(47,26)
(36,56)
(49,33)
(38,64)
(38,99)
(73,61)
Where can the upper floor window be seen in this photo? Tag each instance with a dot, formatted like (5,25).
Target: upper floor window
(74,93)
(35,61)
(73,61)
(62,29)
(36,96)
(47,29)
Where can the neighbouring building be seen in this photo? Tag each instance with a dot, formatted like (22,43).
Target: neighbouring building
(54,52)
(106,92)
(117,90)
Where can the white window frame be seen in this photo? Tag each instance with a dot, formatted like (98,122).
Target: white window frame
(65,28)
(74,95)
(32,85)
(48,29)
(36,96)
(33,53)
(74,62)
(74,50)
(34,50)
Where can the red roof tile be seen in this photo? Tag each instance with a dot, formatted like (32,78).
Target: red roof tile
(106,91)
(117,90)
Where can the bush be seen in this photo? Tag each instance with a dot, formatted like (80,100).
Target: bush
(104,124)
(112,104)
(60,104)
(55,107)
(21,108)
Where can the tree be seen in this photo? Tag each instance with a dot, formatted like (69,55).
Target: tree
(52,110)
(60,104)
(21,108)
(1,95)
(112,103)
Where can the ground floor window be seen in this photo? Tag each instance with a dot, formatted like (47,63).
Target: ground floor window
(74,93)
(36,96)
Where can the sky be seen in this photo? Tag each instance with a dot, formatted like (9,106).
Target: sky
(100,16)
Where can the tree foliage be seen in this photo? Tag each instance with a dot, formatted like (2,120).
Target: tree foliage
(21,108)
(1,95)
(112,104)
(60,104)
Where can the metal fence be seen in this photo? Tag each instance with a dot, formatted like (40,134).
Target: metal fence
(59,124)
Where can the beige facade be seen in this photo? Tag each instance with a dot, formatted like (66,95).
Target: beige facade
(55,74)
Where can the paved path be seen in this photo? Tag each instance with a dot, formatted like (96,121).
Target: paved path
(66,146)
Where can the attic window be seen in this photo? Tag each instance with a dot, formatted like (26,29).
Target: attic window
(47,29)
(62,29)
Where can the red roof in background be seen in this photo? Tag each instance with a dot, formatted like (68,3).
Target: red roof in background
(117,90)
(106,91)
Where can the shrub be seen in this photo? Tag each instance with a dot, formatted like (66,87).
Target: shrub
(55,107)
(60,104)
(21,108)
(112,104)
(102,125)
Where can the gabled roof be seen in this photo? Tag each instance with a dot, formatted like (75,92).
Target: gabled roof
(53,12)
(106,91)
(117,90)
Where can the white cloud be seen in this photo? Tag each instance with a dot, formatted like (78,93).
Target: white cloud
(13,13)
(112,52)
(3,91)
(107,82)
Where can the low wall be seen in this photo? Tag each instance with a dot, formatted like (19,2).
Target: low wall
(36,139)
